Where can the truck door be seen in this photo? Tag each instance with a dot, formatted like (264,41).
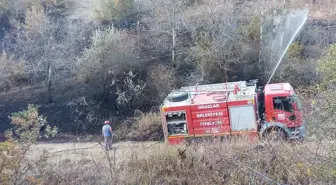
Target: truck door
(297,109)
(283,111)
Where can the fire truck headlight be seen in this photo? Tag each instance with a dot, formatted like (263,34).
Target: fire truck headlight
(164,109)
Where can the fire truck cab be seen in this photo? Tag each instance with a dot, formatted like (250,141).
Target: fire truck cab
(234,108)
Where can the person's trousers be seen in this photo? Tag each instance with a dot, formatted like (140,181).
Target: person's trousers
(108,142)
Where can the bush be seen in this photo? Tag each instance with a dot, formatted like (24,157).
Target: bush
(27,125)
(110,68)
(110,55)
(239,163)
(296,69)
(113,10)
(86,115)
(294,50)
(143,127)
(12,72)
(327,66)
(162,79)
(236,162)
(322,98)
(251,30)
(229,162)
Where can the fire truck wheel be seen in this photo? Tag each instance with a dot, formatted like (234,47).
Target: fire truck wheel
(275,134)
(178,96)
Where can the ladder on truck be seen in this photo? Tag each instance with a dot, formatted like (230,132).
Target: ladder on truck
(220,87)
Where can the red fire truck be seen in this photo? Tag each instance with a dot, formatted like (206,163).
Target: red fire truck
(234,108)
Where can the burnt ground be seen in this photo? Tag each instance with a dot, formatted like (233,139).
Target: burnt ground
(57,113)
(65,112)
(17,100)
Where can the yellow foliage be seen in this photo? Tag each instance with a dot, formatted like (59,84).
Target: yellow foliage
(12,152)
(299,165)
(309,172)
(333,173)
(294,50)
(327,66)
(9,161)
(251,30)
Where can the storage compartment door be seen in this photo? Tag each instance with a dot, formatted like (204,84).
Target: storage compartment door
(242,118)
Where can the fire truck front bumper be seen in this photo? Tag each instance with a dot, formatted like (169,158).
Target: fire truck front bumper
(297,133)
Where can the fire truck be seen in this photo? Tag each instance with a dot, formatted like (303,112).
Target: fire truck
(233,108)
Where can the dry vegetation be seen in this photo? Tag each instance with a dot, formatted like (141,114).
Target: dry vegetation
(230,162)
(86,61)
(143,127)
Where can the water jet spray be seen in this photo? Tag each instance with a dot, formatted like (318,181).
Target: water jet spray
(299,17)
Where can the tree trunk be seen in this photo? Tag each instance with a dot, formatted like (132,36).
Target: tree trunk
(173,50)
(226,76)
(50,100)
(174,40)
(261,39)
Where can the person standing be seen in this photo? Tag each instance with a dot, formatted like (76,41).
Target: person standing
(107,134)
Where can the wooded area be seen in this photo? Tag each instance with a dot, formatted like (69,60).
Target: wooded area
(86,61)
(81,62)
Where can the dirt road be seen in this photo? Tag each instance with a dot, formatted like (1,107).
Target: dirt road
(91,150)
(122,151)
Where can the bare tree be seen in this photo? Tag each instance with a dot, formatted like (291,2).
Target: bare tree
(48,46)
(164,21)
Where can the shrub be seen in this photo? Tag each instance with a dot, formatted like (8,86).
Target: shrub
(27,125)
(251,30)
(12,72)
(327,66)
(86,115)
(162,79)
(143,127)
(296,69)
(233,163)
(236,162)
(321,117)
(294,50)
(110,55)
(113,10)
(110,68)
